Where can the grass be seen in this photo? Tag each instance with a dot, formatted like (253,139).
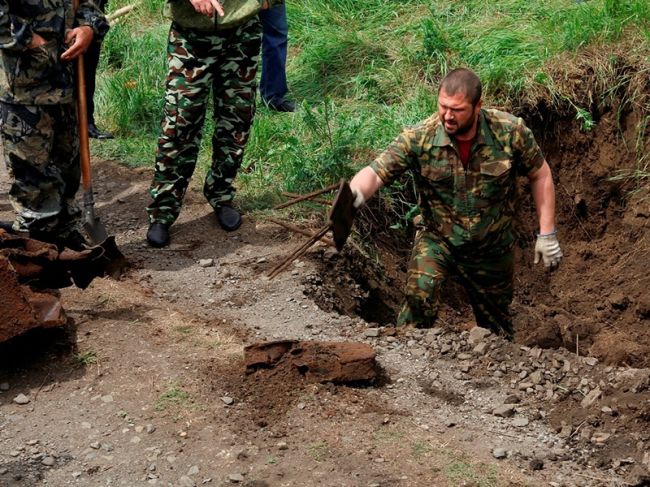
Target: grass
(86,358)
(362,70)
(174,397)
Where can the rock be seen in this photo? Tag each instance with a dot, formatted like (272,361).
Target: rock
(235,478)
(206,262)
(95,445)
(590,361)
(186,481)
(591,398)
(282,445)
(536,377)
(371,333)
(150,428)
(464,356)
(536,464)
(228,401)
(618,300)
(481,348)
(512,399)
(499,453)
(48,461)
(21,399)
(477,335)
(504,411)
(520,422)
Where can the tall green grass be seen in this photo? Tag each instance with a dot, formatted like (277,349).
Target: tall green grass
(362,69)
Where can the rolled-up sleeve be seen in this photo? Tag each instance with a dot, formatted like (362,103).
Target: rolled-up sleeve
(399,157)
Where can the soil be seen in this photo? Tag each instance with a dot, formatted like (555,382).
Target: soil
(147,384)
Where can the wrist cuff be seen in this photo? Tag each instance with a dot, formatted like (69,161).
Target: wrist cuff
(549,234)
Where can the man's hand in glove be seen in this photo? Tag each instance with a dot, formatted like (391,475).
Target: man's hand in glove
(547,248)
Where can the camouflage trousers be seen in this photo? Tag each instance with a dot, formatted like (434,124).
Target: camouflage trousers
(226,63)
(486,275)
(41,151)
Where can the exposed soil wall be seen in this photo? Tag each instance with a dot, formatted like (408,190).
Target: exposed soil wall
(598,302)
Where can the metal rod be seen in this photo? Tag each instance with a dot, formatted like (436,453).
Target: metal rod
(298,252)
(307,196)
(301,231)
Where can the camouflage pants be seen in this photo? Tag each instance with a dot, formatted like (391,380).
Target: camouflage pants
(41,151)
(487,276)
(226,63)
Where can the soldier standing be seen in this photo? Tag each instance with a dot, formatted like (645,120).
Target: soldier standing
(464,161)
(38,41)
(209,48)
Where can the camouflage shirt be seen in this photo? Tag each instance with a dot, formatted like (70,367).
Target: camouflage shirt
(236,12)
(474,205)
(37,76)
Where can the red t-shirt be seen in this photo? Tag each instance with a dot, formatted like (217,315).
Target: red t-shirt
(464,148)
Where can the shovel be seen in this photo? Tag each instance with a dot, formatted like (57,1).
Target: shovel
(94,228)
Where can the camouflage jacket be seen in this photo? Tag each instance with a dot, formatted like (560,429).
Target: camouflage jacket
(474,205)
(235,12)
(37,76)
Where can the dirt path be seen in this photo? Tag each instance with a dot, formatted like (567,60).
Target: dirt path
(148,386)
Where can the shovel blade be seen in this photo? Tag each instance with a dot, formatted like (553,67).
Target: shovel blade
(96,231)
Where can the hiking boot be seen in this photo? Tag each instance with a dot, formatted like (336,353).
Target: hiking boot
(95,133)
(286,106)
(158,235)
(229,219)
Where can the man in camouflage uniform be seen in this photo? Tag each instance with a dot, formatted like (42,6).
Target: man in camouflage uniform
(464,161)
(38,41)
(216,48)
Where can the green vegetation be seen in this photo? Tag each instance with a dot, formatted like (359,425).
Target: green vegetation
(86,358)
(174,397)
(363,69)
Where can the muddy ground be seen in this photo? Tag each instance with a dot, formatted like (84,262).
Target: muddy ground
(147,384)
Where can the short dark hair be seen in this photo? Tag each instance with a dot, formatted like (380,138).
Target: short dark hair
(462,80)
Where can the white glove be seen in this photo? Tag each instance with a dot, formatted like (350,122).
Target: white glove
(359,199)
(547,248)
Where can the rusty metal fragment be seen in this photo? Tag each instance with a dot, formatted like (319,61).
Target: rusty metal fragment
(30,273)
(338,362)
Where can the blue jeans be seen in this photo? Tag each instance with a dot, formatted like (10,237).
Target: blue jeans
(275,30)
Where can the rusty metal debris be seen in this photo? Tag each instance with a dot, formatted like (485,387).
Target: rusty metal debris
(31,271)
(339,221)
(340,362)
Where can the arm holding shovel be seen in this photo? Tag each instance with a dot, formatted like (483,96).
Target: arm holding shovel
(348,200)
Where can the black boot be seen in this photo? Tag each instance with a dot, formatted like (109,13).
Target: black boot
(95,133)
(158,235)
(229,219)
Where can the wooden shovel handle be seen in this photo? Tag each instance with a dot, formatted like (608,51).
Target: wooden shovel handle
(82,117)
(82,121)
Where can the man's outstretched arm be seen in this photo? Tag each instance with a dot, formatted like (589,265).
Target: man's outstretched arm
(547,247)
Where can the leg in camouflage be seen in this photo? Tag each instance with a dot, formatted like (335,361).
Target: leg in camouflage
(428,269)
(197,63)
(41,151)
(486,276)
(234,88)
